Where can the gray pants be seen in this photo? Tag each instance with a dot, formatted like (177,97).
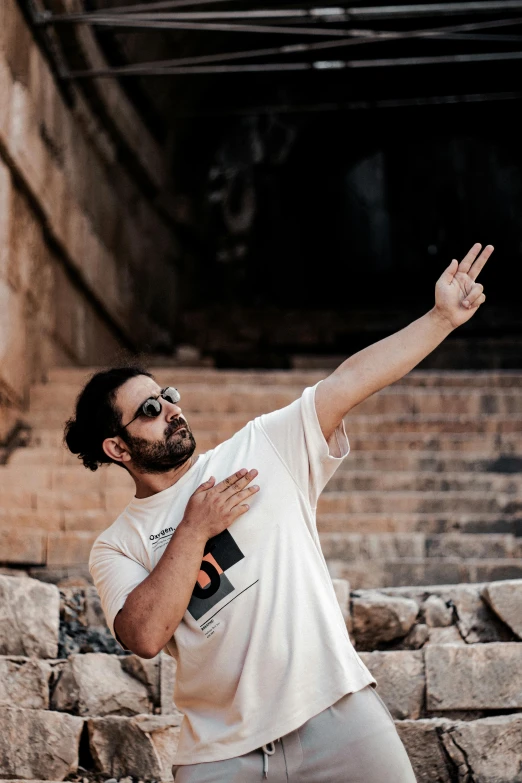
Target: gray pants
(353,741)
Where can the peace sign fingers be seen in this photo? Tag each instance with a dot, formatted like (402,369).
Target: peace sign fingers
(474,261)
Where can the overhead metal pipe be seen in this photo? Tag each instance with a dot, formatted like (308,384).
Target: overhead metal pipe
(346,12)
(386,103)
(318,65)
(362,37)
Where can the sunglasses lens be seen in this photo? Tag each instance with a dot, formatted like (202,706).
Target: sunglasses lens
(151,408)
(171,395)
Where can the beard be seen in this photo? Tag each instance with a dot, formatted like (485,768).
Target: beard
(162,456)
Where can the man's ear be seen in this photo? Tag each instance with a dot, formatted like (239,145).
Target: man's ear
(116,449)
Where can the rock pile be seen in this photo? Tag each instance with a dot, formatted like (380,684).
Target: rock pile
(448,660)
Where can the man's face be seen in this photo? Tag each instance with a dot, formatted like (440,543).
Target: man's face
(156,445)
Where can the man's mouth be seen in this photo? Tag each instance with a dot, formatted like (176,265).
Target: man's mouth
(181,427)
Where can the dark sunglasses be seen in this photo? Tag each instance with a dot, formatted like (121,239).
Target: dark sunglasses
(152,406)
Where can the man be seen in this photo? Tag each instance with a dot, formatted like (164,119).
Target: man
(230,579)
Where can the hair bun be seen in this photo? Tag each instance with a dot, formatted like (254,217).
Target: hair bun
(72,438)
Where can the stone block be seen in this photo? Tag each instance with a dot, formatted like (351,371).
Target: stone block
(13,340)
(379,618)
(421,739)
(475,620)
(5,215)
(51,500)
(505,598)
(38,744)
(448,635)
(436,612)
(29,617)
(486,750)
(69,548)
(168,669)
(416,638)
(342,592)
(82,624)
(140,747)
(24,682)
(400,678)
(474,677)
(27,546)
(96,684)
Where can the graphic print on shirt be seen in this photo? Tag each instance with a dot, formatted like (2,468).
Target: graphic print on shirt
(221,552)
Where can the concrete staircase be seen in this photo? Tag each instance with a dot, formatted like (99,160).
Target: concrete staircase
(431,494)
(73,706)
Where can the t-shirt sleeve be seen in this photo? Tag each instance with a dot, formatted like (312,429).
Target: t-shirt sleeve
(115,575)
(296,435)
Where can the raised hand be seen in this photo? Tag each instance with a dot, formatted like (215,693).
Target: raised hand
(457,294)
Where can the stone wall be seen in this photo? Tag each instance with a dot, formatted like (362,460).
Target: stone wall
(74,705)
(87,261)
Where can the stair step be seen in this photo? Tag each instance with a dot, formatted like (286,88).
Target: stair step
(254,400)
(385,522)
(418,502)
(352,547)
(418,378)
(401,572)
(427,481)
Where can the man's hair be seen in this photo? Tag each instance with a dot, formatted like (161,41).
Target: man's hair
(96,416)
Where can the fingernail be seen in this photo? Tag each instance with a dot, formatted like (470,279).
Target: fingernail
(255,486)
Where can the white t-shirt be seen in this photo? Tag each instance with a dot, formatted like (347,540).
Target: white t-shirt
(263,644)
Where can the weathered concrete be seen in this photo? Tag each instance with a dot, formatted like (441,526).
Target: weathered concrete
(29,617)
(401,681)
(474,677)
(38,744)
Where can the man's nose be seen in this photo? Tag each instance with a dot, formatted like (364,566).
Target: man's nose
(173,410)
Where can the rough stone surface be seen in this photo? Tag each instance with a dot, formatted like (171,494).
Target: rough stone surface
(82,624)
(95,684)
(436,612)
(423,745)
(416,638)
(400,679)
(476,622)
(168,669)
(506,600)
(449,635)
(29,617)
(24,682)
(141,747)
(38,744)
(380,618)
(342,591)
(487,750)
(474,677)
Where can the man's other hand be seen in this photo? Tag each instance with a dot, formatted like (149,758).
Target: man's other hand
(213,507)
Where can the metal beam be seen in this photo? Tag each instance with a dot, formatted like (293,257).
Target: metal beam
(362,37)
(148,22)
(387,103)
(317,65)
(341,11)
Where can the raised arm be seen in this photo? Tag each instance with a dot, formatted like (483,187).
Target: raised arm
(457,298)
(155,608)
